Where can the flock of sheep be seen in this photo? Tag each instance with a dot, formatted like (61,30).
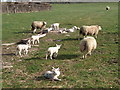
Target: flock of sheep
(87,45)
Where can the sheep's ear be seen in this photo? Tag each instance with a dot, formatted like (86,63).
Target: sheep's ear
(53,68)
(58,68)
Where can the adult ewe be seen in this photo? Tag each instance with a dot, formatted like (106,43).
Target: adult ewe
(38,25)
(87,45)
(90,30)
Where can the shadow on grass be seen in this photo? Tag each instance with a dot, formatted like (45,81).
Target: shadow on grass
(39,78)
(8,54)
(34,58)
(66,56)
(70,39)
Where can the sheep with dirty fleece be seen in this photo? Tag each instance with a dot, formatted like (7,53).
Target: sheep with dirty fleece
(22,47)
(87,45)
(90,30)
(38,25)
(35,38)
(53,75)
(53,51)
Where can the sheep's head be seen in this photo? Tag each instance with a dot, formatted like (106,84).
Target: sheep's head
(56,71)
(99,27)
(58,46)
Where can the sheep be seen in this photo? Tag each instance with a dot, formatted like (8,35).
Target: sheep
(87,45)
(107,8)
(63,30)
(55,26)
(53,51)
(90,30)
(53,75)
(36,38)
(72,29)
(22,47)
(38,25)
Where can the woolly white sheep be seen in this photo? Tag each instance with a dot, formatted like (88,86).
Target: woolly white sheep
(87,45)
(90,30)
(38,25)
(53,51)
(22,47)
(53,75)
(55,26)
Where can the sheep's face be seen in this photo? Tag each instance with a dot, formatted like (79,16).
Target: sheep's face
(56,71)
(58,46)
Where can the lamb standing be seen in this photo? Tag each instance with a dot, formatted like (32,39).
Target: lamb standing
(90,30)
(22,47)
(36,38)
(53,51)
(53,75)
(38,25)
(87,45)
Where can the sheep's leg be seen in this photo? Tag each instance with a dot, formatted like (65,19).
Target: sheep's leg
(34,30)
(20,53)
(46,55)
(33,42)
(16,52)
(38,40)
(26,51)
(51,55)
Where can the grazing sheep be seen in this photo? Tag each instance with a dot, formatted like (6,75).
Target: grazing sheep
(107,8)
(87,45)
(53,75)
(37,37)
(22,47)
(38,25)
(90,30)
(55,26)
(53,51)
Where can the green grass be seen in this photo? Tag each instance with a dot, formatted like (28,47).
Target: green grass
(100,70)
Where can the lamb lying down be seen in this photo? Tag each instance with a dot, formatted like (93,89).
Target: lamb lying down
(53,75)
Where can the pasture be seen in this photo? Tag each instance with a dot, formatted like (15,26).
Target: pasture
(100,70)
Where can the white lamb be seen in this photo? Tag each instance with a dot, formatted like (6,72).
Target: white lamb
(72,29)
(53,75)
(87,45)
(22,47)
(53,51)
(55,26)
(36,38)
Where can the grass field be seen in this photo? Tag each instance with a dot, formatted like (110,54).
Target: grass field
(97,71)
